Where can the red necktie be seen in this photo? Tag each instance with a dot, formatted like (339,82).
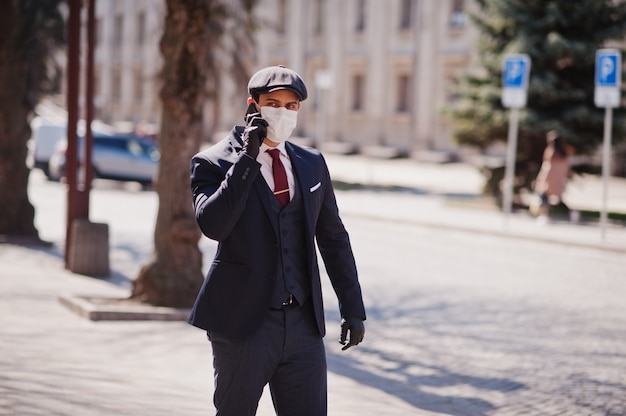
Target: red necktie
(281,186)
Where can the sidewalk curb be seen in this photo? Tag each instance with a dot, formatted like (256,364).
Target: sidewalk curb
(99,308)
(490,232)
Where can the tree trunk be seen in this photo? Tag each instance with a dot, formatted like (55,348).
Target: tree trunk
(17,214)
(173,276)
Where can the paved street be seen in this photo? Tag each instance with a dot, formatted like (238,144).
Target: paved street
(467,315)
(467,324)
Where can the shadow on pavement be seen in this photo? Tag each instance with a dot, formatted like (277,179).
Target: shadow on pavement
(411,389)
(462,355)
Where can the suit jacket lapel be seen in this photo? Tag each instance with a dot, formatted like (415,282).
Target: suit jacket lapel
(301,173)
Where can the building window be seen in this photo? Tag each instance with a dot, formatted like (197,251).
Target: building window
(403,104)
(406,12)
(141,28)
(116,86)
(98,31)
(281,26)
(360,16)
(96,82)
(118,26)
(458,17)
(97,94)
(358,86)
(318,15)
(138,86)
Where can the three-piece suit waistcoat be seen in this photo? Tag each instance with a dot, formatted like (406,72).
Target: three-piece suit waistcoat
(292,271)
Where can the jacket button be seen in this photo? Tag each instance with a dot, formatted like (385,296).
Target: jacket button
(273,277)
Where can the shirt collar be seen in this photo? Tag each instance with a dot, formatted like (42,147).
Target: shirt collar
(280,146)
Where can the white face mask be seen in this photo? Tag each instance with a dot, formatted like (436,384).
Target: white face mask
(280,122)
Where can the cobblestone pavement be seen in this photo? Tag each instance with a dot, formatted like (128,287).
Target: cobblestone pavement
(464,318)
(483,325)
(53,362)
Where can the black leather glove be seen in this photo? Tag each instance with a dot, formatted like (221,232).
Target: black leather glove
(254,133)
(357,332)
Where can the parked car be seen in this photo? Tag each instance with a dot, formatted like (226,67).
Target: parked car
(118,157)
(48,133)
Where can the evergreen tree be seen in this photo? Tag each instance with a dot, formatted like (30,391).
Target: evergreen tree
(561,38)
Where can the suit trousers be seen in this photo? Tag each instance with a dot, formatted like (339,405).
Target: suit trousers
(287,351)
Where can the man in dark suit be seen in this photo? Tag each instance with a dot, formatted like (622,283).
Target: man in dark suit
(266,201)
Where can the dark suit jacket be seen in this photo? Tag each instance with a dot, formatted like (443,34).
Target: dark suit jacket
(227,189)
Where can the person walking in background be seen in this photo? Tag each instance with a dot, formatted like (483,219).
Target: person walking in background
(267,201)
(553,175)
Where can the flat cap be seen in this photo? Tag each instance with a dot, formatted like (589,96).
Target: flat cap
(275,78)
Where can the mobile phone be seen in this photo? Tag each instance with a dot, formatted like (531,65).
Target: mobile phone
(251,110)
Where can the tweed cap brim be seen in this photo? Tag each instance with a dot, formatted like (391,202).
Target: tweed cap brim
(274,78)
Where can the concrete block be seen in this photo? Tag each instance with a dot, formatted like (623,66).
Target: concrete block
(89,248)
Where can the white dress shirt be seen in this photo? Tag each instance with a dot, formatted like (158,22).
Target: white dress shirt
(265,160)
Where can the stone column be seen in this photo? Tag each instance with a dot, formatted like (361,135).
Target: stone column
(427,67)
(377,77)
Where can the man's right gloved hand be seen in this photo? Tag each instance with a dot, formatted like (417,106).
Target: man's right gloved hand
(254,133)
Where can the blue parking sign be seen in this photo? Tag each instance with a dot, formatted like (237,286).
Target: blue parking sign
(607,92)
(608,68)
(515,73)
(515,80)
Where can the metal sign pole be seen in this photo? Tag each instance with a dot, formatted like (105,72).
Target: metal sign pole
(606,164)
(511,151)
(607,94)
(514,94)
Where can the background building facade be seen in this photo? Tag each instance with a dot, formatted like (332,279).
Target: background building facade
(127,61)
(377,71)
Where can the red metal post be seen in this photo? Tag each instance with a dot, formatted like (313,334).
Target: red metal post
(79,186)
(89,87)
(73,84)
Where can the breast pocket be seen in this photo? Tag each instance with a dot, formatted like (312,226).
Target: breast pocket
(315,187)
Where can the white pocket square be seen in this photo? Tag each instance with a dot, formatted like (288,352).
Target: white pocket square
(315,187)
